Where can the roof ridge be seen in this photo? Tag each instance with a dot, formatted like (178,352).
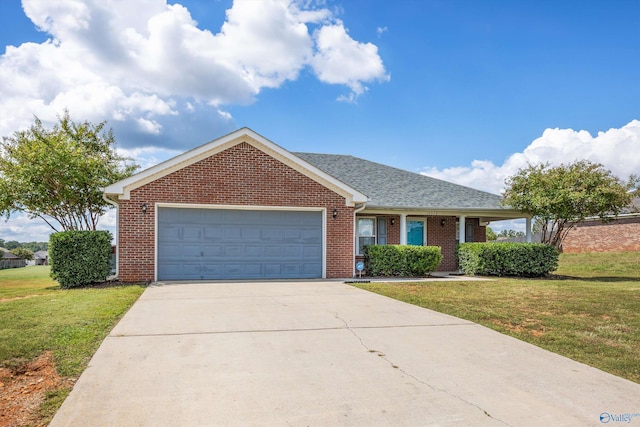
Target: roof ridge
(402,170)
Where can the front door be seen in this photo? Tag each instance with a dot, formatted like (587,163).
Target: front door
(415,232)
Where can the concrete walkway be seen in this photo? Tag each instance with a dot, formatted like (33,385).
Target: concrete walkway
(321,354)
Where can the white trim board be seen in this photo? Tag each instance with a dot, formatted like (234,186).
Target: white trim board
(122,189)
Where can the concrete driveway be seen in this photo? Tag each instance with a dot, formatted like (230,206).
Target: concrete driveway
(326,353)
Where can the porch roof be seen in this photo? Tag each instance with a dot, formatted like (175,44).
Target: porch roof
(392,188)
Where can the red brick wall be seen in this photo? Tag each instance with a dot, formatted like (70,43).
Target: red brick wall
(240,175)
(445,237)
(594,236)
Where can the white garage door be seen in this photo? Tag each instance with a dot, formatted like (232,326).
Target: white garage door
(200,244)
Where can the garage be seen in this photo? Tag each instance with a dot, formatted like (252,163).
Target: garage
(234,244)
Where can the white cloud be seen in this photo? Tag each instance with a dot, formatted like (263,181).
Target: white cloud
(23,229)
(138,64)
(616,149)
(342,60)
(381,30)
(147,156)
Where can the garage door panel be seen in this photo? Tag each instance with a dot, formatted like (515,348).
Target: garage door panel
(232,233)
(209,251)
(272,234)
(311,252)
(254,251)
(274,251)
(211,270)
(272,270)
(311,235)
(192,233)
(234,251)
(311,268)
(191,251)
(292,251)
(251,234)
(212,233)
(169,232)
(238,244)
(292,270)
(180,271)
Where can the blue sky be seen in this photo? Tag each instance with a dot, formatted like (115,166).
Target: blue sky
(467,91)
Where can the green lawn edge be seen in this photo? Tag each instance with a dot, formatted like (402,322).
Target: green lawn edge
(588,311)
(36,316)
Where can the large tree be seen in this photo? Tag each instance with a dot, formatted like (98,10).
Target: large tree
(58,174)
(563,196)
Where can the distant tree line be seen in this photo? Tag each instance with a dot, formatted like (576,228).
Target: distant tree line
(492,235)
(32,246)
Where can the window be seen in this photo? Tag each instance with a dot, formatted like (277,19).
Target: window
(468,231)
(366,233)
(382,231)
(371,231)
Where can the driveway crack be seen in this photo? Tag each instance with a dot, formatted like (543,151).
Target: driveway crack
(394,366)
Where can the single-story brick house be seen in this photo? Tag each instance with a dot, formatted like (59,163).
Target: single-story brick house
(242,207)
(621,233)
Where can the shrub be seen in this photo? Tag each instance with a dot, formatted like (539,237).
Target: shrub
(507,259)
(401,260)
(80,257)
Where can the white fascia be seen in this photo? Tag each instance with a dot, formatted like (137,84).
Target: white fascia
(122,189)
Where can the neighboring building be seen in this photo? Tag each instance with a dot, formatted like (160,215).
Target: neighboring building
(9,260)
(242,207)
(621,233)
(41,258)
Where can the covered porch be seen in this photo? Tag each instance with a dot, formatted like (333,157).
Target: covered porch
(444,228)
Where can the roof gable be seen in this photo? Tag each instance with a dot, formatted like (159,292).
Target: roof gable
(122,189)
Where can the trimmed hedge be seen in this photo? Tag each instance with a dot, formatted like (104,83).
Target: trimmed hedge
(80,258)
(507,259)
(401,260)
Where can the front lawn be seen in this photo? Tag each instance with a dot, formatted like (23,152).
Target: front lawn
(588,311)
(37,317)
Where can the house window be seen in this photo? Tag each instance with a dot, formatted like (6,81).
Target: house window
(382,231)
(468,232)
(366,233)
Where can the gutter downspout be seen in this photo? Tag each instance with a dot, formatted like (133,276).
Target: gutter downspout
(355,231)
(117,206)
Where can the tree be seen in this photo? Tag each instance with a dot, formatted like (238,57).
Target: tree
(35,246)
(563,196)
(58,174)
(510,233)
(23,253)
(11,244)
(491,235)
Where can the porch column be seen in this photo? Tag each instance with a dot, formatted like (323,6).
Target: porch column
(528,230)
(461,221)
(403,229)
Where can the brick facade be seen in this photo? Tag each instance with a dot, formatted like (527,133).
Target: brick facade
(240,175)
(622,234)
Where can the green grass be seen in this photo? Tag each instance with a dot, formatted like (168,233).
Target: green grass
(36,316)
(20,282)
(589,311)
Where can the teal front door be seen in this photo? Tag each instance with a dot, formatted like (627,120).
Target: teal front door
(415,233)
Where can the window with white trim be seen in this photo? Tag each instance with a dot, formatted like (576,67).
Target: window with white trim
(370,231)
(366,233)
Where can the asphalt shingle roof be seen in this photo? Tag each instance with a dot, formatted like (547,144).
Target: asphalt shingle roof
(389,187)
